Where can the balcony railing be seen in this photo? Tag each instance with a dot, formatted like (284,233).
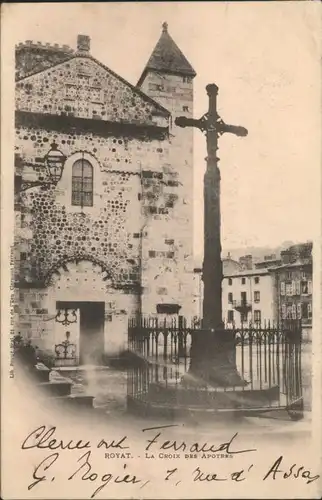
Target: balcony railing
(242,305)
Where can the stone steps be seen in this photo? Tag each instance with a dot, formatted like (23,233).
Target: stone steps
(42,373)
(57,389)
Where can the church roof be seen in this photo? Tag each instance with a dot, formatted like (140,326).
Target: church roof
(167,57)
(81,60)
(83,88)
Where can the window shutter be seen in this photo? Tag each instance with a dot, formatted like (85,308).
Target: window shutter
(282,288)
(299,310)
(298,287)
(293,288)
(309,287)
(309,310)
(283,311)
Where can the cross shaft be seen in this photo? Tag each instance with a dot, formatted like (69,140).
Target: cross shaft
(214,127)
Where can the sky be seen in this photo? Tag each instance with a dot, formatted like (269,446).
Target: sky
(265,59)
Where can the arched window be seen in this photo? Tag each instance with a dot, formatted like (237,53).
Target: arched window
(82,183)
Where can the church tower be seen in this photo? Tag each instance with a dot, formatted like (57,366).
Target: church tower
(168,79)
(168,76)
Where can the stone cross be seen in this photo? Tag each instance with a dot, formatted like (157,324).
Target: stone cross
(214,127)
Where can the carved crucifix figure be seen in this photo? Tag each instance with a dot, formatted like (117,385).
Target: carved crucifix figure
(209,353)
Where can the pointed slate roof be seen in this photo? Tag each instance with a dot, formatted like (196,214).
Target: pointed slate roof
(167,57)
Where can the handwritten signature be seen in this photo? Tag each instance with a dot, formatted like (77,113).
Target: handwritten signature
(43,438)
(84,472)
(46,439)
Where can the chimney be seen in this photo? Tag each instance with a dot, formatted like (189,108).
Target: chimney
(286,256)
(246,262)
(270,257)
(83,43)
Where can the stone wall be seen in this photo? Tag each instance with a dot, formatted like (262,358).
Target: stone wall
(77,282)
(132,249)
(175,93)
(84,88)
(136,223)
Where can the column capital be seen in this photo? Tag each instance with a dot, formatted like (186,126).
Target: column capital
(212,89)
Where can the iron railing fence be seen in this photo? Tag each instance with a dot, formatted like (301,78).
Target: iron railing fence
(65,354)
(267,356)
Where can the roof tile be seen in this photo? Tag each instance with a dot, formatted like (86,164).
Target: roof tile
(167,56)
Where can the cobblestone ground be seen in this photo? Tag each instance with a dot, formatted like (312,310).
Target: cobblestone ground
(107,385)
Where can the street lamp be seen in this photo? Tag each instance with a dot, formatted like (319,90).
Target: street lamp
(55,161)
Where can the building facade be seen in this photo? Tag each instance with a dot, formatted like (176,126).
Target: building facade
(248,297)
(293,285)
(274,289)
(109,235)
(230,266)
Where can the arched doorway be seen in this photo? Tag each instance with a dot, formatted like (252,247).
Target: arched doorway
(90,329)
(78,293)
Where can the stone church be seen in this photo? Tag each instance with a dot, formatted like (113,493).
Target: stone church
(103,197)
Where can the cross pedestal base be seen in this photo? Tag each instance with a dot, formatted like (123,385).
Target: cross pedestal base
(213,360)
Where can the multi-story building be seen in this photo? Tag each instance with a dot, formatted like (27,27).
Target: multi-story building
(293,284)
(271,290)
(230,266)
(248,297)
(104,195)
